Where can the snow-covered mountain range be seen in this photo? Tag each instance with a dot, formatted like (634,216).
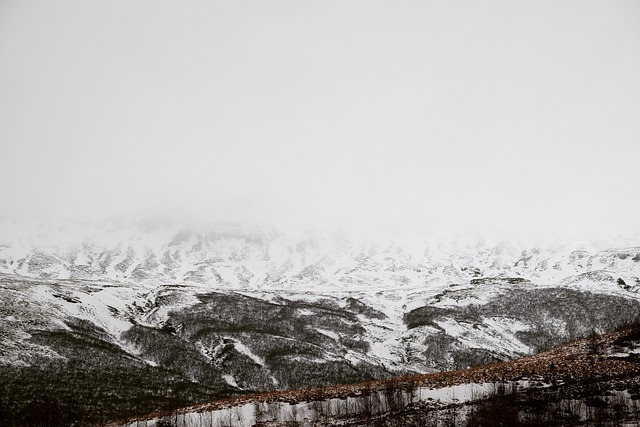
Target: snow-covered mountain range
(231,256)
(228,309)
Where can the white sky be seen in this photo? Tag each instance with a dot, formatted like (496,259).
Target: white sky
(500,114)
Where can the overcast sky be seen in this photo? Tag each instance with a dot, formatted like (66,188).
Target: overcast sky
(504,114)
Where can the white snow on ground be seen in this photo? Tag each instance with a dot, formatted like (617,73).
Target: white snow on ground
(384,341)
(111,270)
(495,334)
(330,334)
(82,258)
(456,394)
(247,352)
(175,300)
(104,306)
(506,328)
(18,351)
(230,380)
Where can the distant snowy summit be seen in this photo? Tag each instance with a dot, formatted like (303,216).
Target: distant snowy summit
(233,256)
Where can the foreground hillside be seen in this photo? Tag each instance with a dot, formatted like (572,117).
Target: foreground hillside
(76,351)
(593,381)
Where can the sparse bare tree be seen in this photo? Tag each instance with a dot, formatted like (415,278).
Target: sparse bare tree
(368,405)
(273,410)
(260,412)
(594,342)
(341,408)
(322,410)
(238,417)
(293,415)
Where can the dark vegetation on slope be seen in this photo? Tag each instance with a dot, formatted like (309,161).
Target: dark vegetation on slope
(555,316)
(186,359)
(97,381)
(287,344)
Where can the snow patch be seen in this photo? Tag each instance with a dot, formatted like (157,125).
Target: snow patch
(247,352)
(230,380)
(328,333)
